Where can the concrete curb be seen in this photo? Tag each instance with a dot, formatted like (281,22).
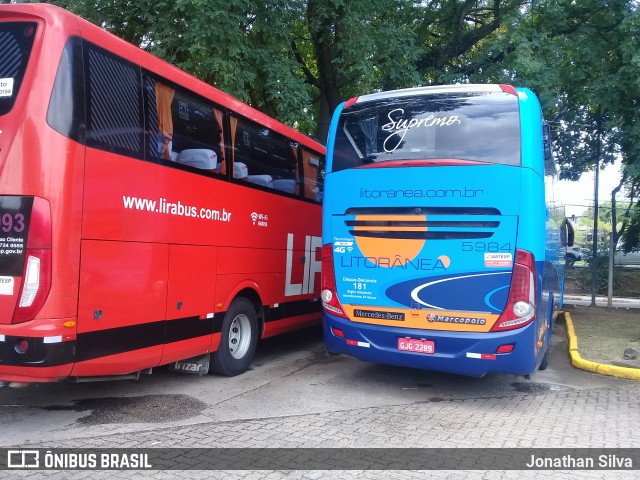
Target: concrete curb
(578,362)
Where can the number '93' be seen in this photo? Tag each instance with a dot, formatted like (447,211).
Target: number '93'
(12,223)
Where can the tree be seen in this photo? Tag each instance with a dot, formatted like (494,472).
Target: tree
(362,46)
(357,46)
(298,59)
(581,58)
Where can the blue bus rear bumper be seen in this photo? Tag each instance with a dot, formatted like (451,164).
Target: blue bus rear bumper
(455,352)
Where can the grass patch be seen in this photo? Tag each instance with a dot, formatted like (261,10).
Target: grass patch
(604,334)
(626,281)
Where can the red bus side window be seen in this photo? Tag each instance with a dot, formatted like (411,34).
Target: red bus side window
(115,121)
(66,113)
(184,128)
(313,169)
(271,159)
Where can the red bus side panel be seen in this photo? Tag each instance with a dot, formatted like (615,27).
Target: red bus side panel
(190,301)
(123,297)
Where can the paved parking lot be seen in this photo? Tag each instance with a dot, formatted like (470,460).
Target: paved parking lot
(298,396)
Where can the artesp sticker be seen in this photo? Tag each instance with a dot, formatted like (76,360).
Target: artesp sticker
(498,260)
(6,285)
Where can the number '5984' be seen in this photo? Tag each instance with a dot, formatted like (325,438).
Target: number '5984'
(485,247)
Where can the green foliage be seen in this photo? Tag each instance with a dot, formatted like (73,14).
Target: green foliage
(298,59)
(604,215)
(571,54)
(583,60)
(631,236)
(238,46)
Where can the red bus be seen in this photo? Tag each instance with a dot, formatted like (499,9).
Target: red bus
(146,218)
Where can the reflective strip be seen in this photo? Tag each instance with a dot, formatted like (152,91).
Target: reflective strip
(358,344)
(56,339)
(481,356)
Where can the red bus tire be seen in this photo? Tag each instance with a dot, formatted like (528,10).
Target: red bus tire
(238,340)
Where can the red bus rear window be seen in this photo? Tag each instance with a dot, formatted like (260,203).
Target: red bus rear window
(16,41)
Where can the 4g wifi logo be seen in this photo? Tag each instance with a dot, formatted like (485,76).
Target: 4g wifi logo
(342,246)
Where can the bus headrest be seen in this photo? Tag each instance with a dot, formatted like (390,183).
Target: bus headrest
(201,158)
(264,180)
(285,184)
(240,170)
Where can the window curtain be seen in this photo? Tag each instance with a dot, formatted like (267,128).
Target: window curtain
(310,175)
(369,127)
(234,126)
(164,98)
(219,116)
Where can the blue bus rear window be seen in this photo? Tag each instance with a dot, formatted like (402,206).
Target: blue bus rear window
(476,126)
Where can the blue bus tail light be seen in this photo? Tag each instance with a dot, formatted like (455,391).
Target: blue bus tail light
(506,348)
(329,294)
(521,305)
(337,332)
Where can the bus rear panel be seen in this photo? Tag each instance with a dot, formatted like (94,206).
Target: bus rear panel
(435,252)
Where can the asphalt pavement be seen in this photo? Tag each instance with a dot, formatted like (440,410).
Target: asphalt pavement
(309,400)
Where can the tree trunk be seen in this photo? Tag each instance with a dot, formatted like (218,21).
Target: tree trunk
(321,23)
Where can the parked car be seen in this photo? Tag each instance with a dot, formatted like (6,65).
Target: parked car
(631,258)
(574,253)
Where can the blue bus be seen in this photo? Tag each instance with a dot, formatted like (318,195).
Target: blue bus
(442,247)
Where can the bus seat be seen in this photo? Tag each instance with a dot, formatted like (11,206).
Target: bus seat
(285,184)
(201,158)
(240,171)
(264,180)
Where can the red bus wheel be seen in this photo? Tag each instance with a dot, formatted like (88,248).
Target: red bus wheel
(238,341)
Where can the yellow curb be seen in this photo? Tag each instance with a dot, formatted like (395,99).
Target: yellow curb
(601,368)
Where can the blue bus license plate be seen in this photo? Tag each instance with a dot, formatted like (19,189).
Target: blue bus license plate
(416,345)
